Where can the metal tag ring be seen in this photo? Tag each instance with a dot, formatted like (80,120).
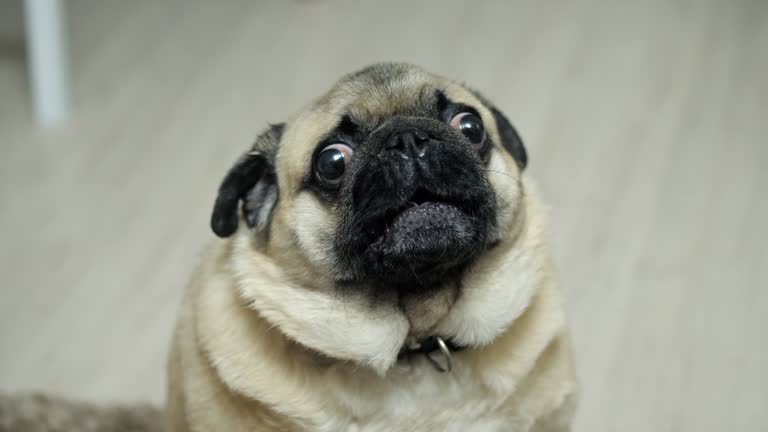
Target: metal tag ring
(445,353)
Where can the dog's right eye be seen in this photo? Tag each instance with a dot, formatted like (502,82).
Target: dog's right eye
(471,126)
(332,162)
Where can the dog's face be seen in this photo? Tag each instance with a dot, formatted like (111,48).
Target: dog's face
(395,181)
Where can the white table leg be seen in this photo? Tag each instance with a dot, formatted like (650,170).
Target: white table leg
(47,59)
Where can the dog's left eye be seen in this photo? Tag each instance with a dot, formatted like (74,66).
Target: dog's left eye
(332,162)
(471,126)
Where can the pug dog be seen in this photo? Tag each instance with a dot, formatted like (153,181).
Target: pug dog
(383,267)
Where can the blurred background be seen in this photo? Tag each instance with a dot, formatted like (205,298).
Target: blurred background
(645,122)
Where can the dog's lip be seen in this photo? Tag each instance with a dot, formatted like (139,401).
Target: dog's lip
(422,234)
(412,207)
(420,198)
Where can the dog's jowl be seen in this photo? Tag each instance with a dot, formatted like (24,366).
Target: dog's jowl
(382,267)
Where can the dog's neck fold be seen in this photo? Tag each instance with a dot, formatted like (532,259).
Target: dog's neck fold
(339,327)
(493,294)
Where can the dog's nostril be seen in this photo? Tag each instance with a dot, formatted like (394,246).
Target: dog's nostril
(408,142)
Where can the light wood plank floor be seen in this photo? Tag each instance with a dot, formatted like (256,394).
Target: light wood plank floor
(646,122)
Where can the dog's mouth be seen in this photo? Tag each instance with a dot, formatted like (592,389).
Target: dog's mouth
(423,219)
(423,211)
(419,211)
(425,228)
(420,237)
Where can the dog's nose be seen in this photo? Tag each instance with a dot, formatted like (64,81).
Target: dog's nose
(408,143)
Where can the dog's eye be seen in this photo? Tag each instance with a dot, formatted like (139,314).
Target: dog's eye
(471,126)
(332,162)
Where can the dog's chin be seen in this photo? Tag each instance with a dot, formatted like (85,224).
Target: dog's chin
(426,243)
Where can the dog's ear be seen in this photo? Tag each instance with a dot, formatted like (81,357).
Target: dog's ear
(252,180)
(510,139)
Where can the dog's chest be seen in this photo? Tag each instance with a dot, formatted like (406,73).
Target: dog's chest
(422,400)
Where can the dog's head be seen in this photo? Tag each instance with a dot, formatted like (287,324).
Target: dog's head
(393,185)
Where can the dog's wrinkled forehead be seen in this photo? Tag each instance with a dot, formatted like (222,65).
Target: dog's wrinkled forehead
(384,90)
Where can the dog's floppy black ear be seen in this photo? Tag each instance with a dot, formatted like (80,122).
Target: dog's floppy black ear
(510,139)
(252,180)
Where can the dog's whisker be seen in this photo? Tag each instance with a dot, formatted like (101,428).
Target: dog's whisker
(414,273)
(504,174)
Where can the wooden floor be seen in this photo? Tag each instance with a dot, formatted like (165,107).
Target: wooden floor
(646,122)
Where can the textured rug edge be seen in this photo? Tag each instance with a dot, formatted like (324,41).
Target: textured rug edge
(46,413)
